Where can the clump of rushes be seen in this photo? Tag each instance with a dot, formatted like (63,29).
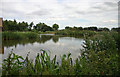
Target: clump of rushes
(19,35)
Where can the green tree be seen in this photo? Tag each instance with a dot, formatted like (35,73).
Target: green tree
(30,26)
(103,29)
(5,25)
(55,26)
(43,27)
(67,27)
(80,28)
(116,29)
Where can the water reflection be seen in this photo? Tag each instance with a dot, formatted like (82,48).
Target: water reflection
(55,39)
(41,39)
(58,45)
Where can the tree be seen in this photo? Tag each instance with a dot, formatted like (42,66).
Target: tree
(116,29)
(74,28)
(5,25)
(67,27)
(92,28)
(30,26)
(23,26)
(80,28)
(55,26)
(103,29)
(43,27)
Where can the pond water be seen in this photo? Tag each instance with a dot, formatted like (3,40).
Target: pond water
(57,45)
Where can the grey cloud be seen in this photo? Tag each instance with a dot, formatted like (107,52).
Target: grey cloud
(119,3)
(80,12)
(97,7)
(111,4)
(89,11)
(103,8)
(41,12)
(8,10)
(67,7)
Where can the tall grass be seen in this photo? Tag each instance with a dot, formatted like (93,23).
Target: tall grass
(19,35)
(99,57)
(76,33)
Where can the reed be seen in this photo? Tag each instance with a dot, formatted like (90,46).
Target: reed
(19,35)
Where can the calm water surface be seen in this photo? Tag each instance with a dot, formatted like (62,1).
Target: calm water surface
(57,45)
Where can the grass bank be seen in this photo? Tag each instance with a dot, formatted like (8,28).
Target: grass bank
(99,57)
(19,35)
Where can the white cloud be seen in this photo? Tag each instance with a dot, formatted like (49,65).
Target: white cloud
(113,21)
(63,12)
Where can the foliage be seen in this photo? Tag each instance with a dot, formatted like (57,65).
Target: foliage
(19,35)
(101,55)
(88,28)
(91,28)
(103,29)
(116,29)
(30,26)
(9,25)
(14,26)
(55,26)
(42,27)
(12,64)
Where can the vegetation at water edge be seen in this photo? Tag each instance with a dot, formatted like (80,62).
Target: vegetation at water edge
(99,57)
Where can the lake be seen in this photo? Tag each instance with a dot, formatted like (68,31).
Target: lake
(57,45)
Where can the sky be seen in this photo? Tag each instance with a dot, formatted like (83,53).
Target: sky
(84,13)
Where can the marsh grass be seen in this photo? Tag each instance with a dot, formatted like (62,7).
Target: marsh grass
(19,35)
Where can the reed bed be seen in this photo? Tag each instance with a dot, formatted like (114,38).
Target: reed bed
(19,35)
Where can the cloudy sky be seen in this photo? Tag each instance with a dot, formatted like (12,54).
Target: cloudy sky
(100,13)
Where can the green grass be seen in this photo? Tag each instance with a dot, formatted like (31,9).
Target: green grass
(99,57)
(19,35)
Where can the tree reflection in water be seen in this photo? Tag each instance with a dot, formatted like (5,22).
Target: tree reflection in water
(41,39)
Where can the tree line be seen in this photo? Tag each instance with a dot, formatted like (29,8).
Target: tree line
(92,28)
(9,25)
